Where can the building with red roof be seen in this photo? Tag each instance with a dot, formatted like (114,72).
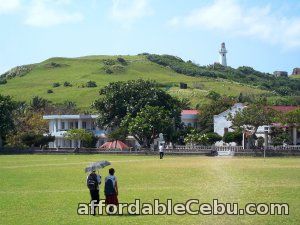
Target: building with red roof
(190,117)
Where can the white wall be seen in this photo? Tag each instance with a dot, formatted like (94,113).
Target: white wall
(221,121)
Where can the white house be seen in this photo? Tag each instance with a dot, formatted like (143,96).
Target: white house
(223,125)
(59,124)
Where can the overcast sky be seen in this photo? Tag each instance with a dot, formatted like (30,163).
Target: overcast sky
(261,34)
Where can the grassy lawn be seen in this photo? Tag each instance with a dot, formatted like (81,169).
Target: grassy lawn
(46,189)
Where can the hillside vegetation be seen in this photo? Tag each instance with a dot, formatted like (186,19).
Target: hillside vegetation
(79,79)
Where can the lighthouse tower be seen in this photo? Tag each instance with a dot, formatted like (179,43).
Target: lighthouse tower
(222,53)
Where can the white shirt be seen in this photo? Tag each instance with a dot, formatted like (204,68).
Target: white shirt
(161,148)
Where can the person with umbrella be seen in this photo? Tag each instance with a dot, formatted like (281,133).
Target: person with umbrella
(93,181)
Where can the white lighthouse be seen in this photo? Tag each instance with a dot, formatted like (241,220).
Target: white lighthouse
(222,53)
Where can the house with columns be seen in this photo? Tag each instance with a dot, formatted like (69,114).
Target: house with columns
(223,125)
(60,124)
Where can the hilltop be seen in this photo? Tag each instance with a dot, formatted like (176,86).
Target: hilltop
(79,79)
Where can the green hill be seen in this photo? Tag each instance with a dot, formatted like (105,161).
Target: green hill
(27,81)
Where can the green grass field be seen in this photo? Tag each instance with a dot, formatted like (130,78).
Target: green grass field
(46,189)
(81,70)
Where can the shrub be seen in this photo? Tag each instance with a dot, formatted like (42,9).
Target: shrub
(91,84)
(3,81)
(212,138)
(36,140)
(55,85)
(236,136)
(109,62)
(108,70)
(122,61)
(67,84)
(213,95)
(117,68)
(49,91)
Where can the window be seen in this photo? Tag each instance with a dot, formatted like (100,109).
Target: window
(62,125)
(71,125)
(83,125)
(93,126)
(76,124)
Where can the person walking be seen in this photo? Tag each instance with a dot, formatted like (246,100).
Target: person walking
(93,181)
(111,189)
(161,151)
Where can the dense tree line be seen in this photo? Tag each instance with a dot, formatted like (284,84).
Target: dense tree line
(280,85)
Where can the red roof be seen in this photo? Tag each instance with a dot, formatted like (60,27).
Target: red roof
(284,109)
(114,145)
(189,112)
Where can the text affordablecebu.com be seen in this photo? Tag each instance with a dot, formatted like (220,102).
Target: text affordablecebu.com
(191,207)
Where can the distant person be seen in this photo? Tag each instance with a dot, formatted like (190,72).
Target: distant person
(161,151)
(93,181)
(111,189)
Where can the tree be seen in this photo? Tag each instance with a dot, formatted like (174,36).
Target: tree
(120,99)
(149,123)
(292,117)
(80,135)
(7,106)
(250,118)
(28,124)
(38,103)
(118,134)
(280,136)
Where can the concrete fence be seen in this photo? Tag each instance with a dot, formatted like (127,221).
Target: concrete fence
(178,150)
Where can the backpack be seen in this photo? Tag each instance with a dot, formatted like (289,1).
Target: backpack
(109,187)
(92,182)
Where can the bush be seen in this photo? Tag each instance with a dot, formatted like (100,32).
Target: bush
(122,61)
(212,138)
(91,84)
(55,85)
(3,81)
(235,136)
(108,70)
(109,62)
(213,95)
(117,68)
(36,140)
(50,91)
(67,84)
(284,91)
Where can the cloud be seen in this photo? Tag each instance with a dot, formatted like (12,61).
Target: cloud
(45,13)
(8,6)
(230,17)
(129,11)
